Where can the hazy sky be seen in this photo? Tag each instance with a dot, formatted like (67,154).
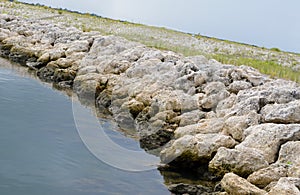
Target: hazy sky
(268,23)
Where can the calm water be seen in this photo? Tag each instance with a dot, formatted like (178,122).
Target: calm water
(267,23)
(41,151)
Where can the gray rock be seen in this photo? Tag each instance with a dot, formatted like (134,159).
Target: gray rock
(251,104)
(224,106)
(237,86)
(214,93)
(78,46)
(275,91)
(156,94)
(44,58)
(294,169)
(189,118)
(65,62)
(282,113)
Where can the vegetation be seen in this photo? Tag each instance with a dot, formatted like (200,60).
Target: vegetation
(268,61)
(275,49)
(267,67)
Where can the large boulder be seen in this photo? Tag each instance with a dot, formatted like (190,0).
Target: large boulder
(267,138)
(200,147)
(235,185)
(242,161)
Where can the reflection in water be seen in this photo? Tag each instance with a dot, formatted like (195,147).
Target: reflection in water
(41,151)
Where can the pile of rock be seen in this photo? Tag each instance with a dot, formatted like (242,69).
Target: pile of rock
(193,111)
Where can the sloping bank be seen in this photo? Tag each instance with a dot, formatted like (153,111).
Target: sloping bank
(196,112)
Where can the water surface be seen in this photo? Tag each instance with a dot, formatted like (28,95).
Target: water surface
(41,151)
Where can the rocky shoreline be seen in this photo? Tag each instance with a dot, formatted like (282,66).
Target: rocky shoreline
(239,124)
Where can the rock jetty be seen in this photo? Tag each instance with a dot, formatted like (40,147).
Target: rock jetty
(240,124)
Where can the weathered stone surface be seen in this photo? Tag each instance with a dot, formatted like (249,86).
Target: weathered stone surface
(275,91)
(235,125)
(214,93)
(282,113)
(44,58)
(267,138)
(265,176)
(287,186)
(77,46)
(287,165)
(214,125)
(294,169)
(86,85)
(200,147)
(242,161)
(237,86)
(189,118)
(235,185)
(224,106)
(290,153)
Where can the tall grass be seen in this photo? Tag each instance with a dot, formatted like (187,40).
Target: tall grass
(271,68)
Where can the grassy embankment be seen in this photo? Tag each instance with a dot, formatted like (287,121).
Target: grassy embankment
(272,62)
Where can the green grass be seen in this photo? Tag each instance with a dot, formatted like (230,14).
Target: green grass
(275,49)
(271,68)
